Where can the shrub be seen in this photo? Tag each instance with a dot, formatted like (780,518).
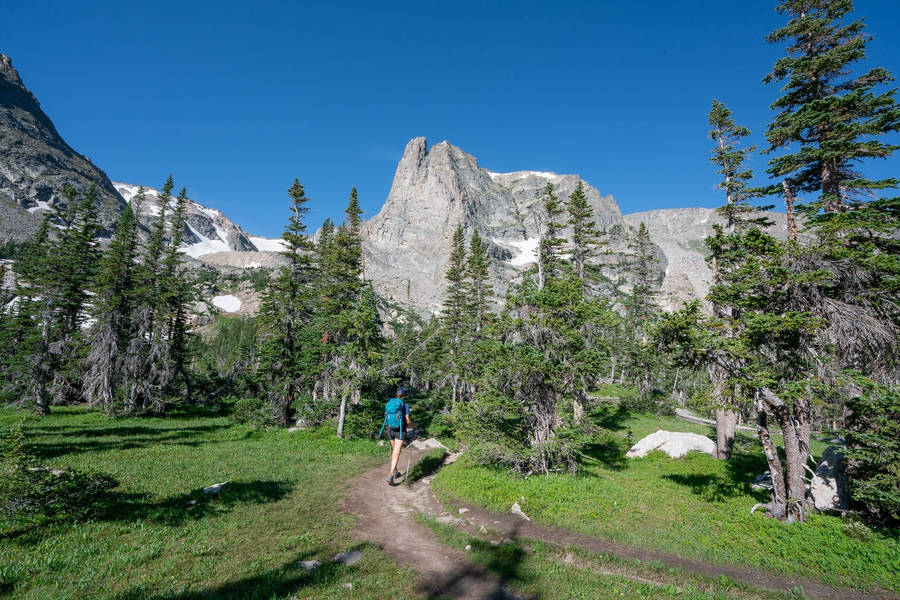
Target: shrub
(252,411)
(873,453)
(29,490)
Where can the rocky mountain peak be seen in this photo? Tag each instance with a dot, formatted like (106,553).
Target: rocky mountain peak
(437,189)
(36,163)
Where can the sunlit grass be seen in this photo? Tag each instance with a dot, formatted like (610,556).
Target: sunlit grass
(162,537)
(697,507)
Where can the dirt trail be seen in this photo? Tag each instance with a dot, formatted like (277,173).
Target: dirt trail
(385,516)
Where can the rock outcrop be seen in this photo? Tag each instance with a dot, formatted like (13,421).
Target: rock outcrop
(674,443)
(36,164)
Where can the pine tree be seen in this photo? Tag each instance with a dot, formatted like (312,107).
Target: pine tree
(176,293)
(833,118)
(585,235)
(551,243)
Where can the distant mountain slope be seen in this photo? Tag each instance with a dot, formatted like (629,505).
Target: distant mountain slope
(681,232)
(208,230)
(36,163)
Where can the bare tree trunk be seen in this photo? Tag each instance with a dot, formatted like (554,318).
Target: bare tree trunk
(776,507)
(612,369)
(795,457)
(342,415)
(726,424)
(789,208)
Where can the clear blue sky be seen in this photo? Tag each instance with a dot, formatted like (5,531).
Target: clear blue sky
(237,99)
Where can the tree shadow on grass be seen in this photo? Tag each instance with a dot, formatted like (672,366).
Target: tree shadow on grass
(82,439)
(740,470)
(611,417)
(192,506)
(492,570)
(281,582)
(174,511)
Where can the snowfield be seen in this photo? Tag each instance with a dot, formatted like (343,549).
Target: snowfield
(227,303)
(267,244)
(528,251)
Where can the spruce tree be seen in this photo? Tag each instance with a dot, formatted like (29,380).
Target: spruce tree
(585,235)
(113,308)
(454,313)
(479,282)
(830,117)
(731,159)
(290,348)
(551,243)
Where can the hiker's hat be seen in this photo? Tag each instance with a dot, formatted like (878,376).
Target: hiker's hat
(401,391)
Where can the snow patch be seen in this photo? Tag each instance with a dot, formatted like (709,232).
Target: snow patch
(268,244)
(528,251)
(522,174)
(41,205)
(228,303)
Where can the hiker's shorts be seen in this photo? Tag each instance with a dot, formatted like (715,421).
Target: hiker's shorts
(394,434)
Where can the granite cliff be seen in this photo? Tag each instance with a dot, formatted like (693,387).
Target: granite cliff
(437,189)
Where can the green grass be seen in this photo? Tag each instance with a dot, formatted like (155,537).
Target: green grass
(697,507)
(430,462)
(549,571)
(279,507)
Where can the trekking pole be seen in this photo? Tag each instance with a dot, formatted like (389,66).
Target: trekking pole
(406,477)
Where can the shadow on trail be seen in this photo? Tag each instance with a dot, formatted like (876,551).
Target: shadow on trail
(281,582)
(503,562)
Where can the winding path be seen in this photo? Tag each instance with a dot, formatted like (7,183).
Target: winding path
(385,516)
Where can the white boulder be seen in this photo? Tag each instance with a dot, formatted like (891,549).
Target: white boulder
(674,443)
(427,444)
(828,487)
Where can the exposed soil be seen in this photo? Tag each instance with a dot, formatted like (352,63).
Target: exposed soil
(385,516)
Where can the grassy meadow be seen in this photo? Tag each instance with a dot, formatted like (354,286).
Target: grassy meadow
(152,541)
(696,507)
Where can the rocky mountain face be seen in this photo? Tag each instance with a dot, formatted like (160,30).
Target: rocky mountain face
(208,230)
(36,163)
(435,190)
(680,234)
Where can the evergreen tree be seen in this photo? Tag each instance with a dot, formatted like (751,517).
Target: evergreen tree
(454,313)
(113,308)
(585,235)
(551,243)
(731,160)
(290,348)
(479,283)
(831,117)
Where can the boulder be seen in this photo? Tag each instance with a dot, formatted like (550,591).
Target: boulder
(763,482)
(427,444)
(674,443)
(829,488)
(517,510)
(348,558)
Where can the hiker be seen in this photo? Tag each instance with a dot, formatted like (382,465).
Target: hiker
(397,423)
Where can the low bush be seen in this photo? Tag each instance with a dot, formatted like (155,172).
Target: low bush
(251,411)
